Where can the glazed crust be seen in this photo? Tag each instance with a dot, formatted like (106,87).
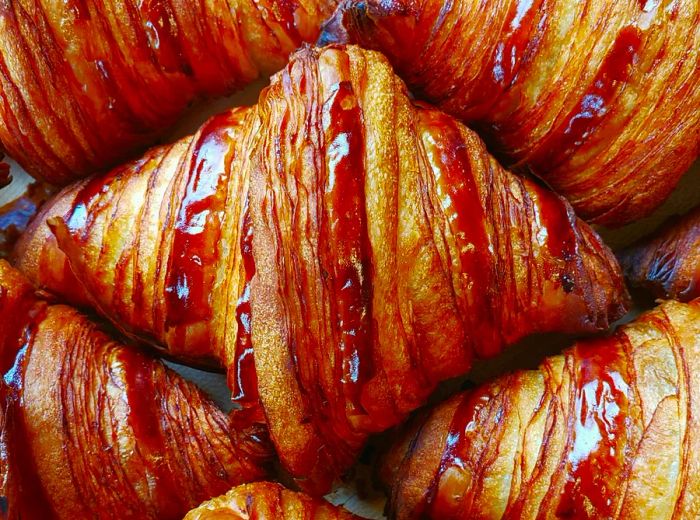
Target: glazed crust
(156,243)
(385,261)
(601,99)
(388,249)
(86,83)
(94,429)
(266,501)
(668,262)
(606,430)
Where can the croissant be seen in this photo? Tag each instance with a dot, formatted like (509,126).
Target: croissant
(668,263)
(601,99)
(339,249)
(266,501)
(85,83)
(606,430)
(93,429)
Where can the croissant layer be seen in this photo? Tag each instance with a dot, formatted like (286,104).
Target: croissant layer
(85,83)
(357,247)
(94,429)
(606,430)
(601,99)
(266,501)
(667,263)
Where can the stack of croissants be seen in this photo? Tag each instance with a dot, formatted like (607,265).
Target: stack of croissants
(414,191)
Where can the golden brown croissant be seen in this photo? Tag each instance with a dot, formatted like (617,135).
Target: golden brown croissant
(668,263)
(388,250)
(266,501)
(601,99)
(609,429)
(93,429)
(84,83)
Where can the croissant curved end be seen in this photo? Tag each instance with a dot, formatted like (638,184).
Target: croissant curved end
(668,262)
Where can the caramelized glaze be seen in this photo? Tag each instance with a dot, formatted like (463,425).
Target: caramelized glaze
(603,431)
(197,227)
(586,95)
(21,318)
(242,378)
(349,261)
(86,84)
(598,455)
(338,249)
(597,104)
(81,411)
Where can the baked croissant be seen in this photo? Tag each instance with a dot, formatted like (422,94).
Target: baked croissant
(93,429)
(266,501)
(606,430)
(601,99)
(85,83)
(387,247)
(668,263)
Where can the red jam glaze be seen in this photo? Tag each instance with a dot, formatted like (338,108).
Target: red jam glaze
(144,419)
(347,255)
(558,221)
(198,228)
(583,121)
(456,454)
(19,334)
(518,39)
(596,463)
(463,209)
(92,198)
(242,377)
(141,104)
(162,31)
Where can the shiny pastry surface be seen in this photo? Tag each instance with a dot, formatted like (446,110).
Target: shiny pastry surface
(339,249)
(599,98)
(606,430)
(85,84)
(267,501)
(95,429)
